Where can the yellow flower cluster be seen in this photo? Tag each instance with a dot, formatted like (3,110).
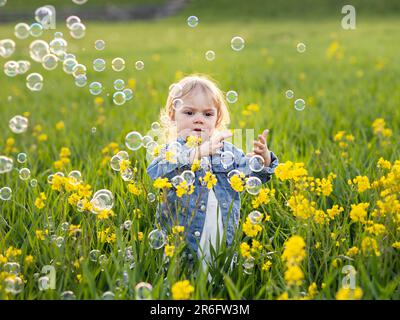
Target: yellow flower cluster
(349,294)
(380,130)
(370,246)
(264,197)
(108,151)
(161,183)
(134,189)
(362,183)
(182,290)
(343,140)
(40,201)
(37,132)
(358,212)
(64,160)
(293,255)
(290,171)
(183,188)
(9,147)
(246,251)
(193,141)
(106,235)
(237,182)
(169,250)
(210,179)
(251,229)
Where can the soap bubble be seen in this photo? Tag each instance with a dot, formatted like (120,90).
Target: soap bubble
(69,64)
(5,193)
(123,155)
(24,174)
(192,21)
(77,30)
(177,180)
(128,94)
(233,173)
(237,43)
(255,216)
(7,48)
(231,96)
(44,16)
(75,177)
(44,283)
(94,255)
(67,295)
(155,126)
(175,90)
(127,174)
(299,104)
(133,140)
(143,291)
(12,267)
(34,82)
(119,84)
(99,65)
(21,30)
(71,20)
(95,88)
(11,68)
(205,163)
(289,94)
(177,104)
(256,163)
(253,185)
(157,239)
(119,98)
(79,2)
(50,178)
(18,124)
(23,66)
(50,61)
(38,49)
(58,46)
(188,176)
(127,224)
(36,30)
(99,45)
(81,80)
(114,163)
(248,265)
(227,159)
(108,295)
(102,200)
(118,64)
(301,47)
(139,65)
(146,139)
(22,157)
(6,164)
(14,285)
(79,69)
(33,183)
(151,197)
(210,55)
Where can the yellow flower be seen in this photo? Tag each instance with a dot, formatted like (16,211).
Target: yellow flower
(294,250)
(376,229)
(290,171)
(384,164)
(39,234)
(39,203)
(193,141)
(160,183)
(352,251)
(245,250)
(256,246)
(124,164)
(369,246)
(65,152)
(195,165)
(98,101)
(58,165)
(171,157)
(134,189)
(57,182)
(294,275)
(132,83)
(251,230)
(253,107)
(169,250)
(178,229)
(349,294)
(312,290)
(73,199)
(362,183)
(60,125)
(28,260)
(339,135)
(334,211)
(237,182)
(210,179)
(396,245)
(358,212)
(182,290)
(266,265)
(264,197)
(42,137)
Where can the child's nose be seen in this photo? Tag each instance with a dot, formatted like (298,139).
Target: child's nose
(198,118)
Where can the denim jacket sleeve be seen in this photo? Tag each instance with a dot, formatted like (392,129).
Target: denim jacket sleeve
(160,167)
(264,175)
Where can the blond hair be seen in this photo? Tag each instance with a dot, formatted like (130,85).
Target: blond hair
(187,86)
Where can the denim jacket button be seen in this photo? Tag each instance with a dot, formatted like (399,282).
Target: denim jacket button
(203,207)
(224,205)
(197,233)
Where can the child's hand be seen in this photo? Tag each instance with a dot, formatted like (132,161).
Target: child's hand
(261,148)
(211,146)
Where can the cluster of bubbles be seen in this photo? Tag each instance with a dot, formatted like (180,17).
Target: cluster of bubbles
(299,104)
(18,124)
(77,29)
(13,68)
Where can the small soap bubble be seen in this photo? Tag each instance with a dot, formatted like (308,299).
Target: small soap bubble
(94,130)
(34,81)
(99,45)
(5,193)
(6,164)
(36,29)
(79,69)
(139,65)
(102,200)
(143,291)
(22,157)
(94,255)
(128,94)
(3,3)
(77,30)
(151,197)
(127,174)
(118,64)
(69,64)
(23,66)
(95,88)
(289,94)
(21,30)
(177,180)
(79,2)
(119,84)
(71,20)
(67,295)
(175,90)
(299,104)
(11,68)
(38,49)
(127,224)
(18,124)
(301,47)
(177,104)
(99,64)
(155,126)
(231,96)
(256,163)
(248,265)
(75,177)
(108,295)
(33,183)
(210,55)
(255,216)
(24,174)
(188,176)
(253,185)
(7,48)
(13,285)
(192,21)
(44,16)
(115,163)
(227,159)
(133,140)
(157,239)
(237,43)
(50,61)
(119,98)
(81,80)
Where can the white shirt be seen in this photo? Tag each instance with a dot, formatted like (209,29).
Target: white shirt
(212,226)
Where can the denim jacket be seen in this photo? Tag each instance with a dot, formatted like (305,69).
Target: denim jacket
(190,210)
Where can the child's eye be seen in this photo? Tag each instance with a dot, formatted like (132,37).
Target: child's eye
(188,113)
(209,114)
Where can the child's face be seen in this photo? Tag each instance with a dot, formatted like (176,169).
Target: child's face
(196,117)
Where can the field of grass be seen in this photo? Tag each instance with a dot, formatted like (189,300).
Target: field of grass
(348,80)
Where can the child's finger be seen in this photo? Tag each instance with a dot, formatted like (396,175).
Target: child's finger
(259,145)
(262,139)
(265,133)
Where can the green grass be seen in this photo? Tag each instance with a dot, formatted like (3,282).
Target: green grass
(346,94)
